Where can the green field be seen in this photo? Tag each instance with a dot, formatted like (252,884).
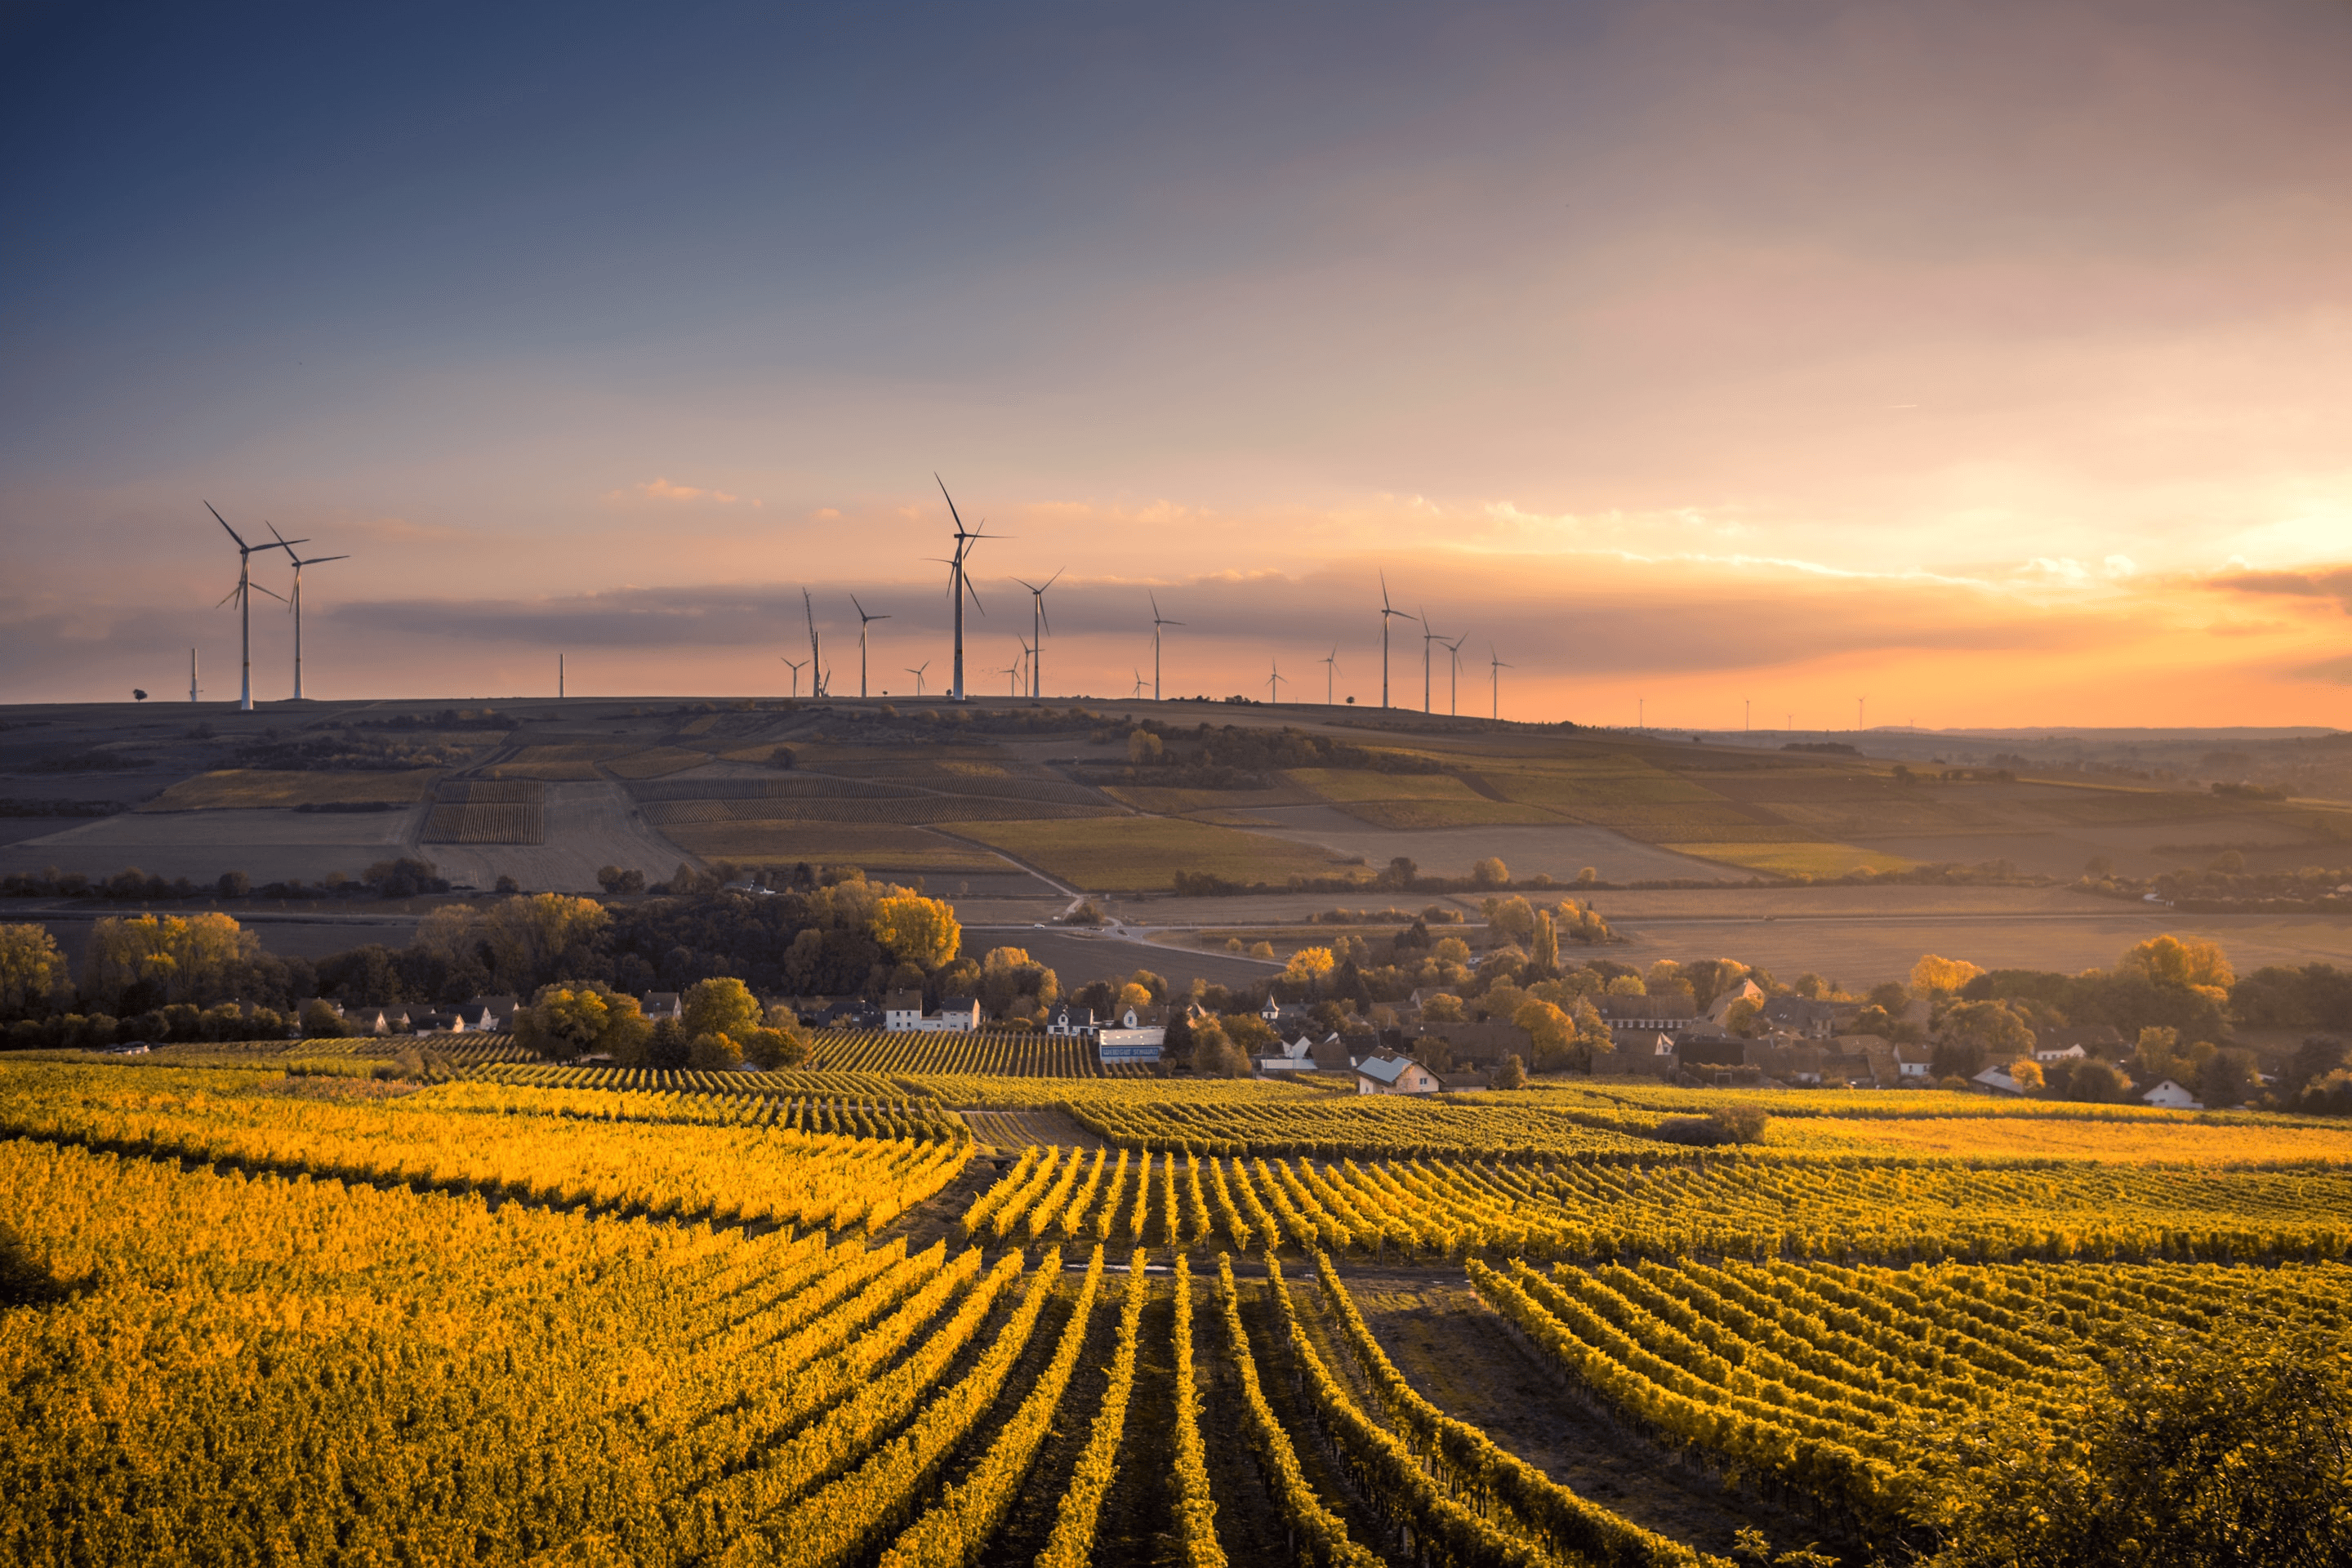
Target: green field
(1120,853)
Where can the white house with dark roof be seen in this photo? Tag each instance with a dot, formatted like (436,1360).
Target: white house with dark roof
(2172,1096)
(1132,1035)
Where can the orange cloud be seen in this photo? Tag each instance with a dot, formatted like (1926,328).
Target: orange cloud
(659,488)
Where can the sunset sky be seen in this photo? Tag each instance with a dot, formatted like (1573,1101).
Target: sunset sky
(1993,360)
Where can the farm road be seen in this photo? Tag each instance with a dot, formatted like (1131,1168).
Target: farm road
(590,824)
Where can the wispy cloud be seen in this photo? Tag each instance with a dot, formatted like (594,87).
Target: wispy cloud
(2332,583)
(662,489)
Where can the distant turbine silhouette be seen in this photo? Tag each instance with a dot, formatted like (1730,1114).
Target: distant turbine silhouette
(816,649)
(864,620)
(960,580)
(1273,682)
(1453,687)
(1387,610)
(295,601)
(1038,626)
(917,671)
(796,667)
(1427,637)
(1158,621)
(1330,663)
(1493,659)
(1138,692)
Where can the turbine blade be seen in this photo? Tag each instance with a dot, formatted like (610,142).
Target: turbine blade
(952,506)
(224,522)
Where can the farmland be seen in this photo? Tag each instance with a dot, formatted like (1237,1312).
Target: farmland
(807,1318)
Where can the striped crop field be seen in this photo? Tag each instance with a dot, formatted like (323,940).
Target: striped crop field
(553,1313)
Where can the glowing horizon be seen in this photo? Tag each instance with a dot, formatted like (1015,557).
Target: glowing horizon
(1996,364)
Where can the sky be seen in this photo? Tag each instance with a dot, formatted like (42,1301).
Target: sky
(1794,363)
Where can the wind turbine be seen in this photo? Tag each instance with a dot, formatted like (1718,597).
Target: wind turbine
(1158,621)
(1386,611)
(862,620)
(1013,687)
(1495,659)
(1038,626)
(1427,637)
(816,649)
(1138,685)
(1453,683)
(960,581)
(243,595)
(1330,663)
(1273,683)
(1028,662)
(297,601)
(796,667)
(917,671)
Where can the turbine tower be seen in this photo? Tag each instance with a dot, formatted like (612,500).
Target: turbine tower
(1495,659)
(1330,663)
(297,601)
(1158,621)
(796,667)
(1386,611)
(1012,671)
(863,621)
(243,595)
(192,675)
(1028,664)
(1273,683)
(960,582)
(1453,681)
(1427,637)
(816,648)
(1038,626)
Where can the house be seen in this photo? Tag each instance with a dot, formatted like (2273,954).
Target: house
(1719,1012)
(1298,1055)
(1646,1013)
(1710,1051)
(1996,1080)
(2104,1042)
(849,1013)
(1806,1016)
(1914,1064)
(1132,1035)
(2172,1096)
(436,1021)
(659,1004)
(1337,1052)
(955,1014)
(1272,1011)
(374,1020)
(490,1014)
(1463,1082)
(902,1012)
(1070,1023)
(1386,1074)
(1486,1043)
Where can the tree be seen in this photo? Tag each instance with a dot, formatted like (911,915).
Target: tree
(532,939)
(2225,1078)
(714,1053)
(720,1005)
(1309,965)
(1442,1008)
(320,1021)
(1451,950)
(614,880)
(2026,1073)
(32,975)
(1511,1074)
(2192,964)
(916,929)
(233,885)
(2318,1056)
(1144,748)
(1941,975)
(1214,1055)
(568,1021)
(1543,946)
(1261,950)
(1490,872)
(2197,1453)
(1742,1017)
(1248,1032)
(194,958)
(2096,1082)
(1628,986)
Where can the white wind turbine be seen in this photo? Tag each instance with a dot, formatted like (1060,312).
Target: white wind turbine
(243,593)
(864,620)
(917,671)
(797,666)
(296,601)
(1158,621)
(1039,626)
(1273,682)
(960,580)
(1330,663)
(1495,659)
(1387,610)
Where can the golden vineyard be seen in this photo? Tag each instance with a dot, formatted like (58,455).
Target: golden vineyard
(260,1310)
